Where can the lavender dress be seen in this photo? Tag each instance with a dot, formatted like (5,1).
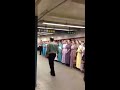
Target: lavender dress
(64,50)
(73,55)
(67,57)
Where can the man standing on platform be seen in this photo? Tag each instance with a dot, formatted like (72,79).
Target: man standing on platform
(52,49)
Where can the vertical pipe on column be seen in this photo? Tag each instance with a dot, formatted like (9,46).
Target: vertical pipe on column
(36,21)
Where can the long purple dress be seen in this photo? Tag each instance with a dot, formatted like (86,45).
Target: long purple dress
(67,57)
(64,50)
(73,54)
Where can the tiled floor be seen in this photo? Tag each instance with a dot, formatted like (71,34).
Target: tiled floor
(65,79)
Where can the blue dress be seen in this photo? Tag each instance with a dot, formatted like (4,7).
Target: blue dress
(60,52)
(44,49)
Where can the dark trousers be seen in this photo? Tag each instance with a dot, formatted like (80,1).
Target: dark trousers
(40,49)
(51,62)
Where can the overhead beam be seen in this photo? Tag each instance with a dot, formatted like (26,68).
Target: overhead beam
(36,7)
(63,20)
(48,11)
(37,2)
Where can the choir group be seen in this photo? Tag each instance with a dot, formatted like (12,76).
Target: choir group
(70,52)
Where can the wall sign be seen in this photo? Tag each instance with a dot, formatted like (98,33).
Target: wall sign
(71,32)
(47,31)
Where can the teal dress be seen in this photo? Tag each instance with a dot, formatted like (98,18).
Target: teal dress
(60,52)
(44,49)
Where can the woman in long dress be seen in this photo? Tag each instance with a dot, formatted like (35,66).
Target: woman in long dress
(73,53)
(82,51)
(44,49)
(77,43)
(64,50)
(60,52)
(67,57)
(56,58)
(79,57)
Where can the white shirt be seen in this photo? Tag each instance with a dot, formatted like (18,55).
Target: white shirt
(82,48)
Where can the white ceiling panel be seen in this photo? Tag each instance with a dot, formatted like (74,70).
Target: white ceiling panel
(70,11)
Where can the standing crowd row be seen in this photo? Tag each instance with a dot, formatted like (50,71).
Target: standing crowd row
(70,52)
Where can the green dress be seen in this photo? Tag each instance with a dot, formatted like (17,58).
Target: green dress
(60,52)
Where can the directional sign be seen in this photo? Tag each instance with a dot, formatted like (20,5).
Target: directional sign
(51,31)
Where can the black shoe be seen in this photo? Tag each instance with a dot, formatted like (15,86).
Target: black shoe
(52,74)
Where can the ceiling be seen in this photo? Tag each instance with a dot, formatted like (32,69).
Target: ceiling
(61,11)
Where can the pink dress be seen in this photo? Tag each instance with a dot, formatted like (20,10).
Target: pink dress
(64,50)
(73,55)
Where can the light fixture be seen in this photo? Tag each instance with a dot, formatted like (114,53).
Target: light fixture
(38,32)
(64,29)
(44,28)
(54,24)
(46,33)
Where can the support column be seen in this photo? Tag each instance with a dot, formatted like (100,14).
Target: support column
(36,22)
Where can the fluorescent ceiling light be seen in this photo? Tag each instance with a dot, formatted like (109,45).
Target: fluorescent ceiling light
(44,28)
(38,33)
(64,29)
(54,24)
(46,33)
